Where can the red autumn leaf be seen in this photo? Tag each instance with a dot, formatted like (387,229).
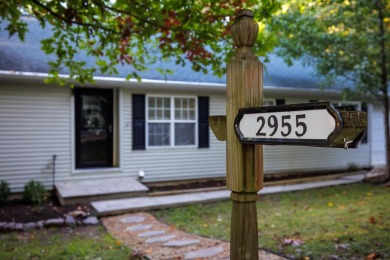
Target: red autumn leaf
(372,220)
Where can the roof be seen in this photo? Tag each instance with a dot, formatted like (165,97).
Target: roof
(28,57)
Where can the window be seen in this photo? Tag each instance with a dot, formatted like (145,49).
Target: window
(171,121)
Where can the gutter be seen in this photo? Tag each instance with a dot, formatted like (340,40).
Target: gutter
(150,84)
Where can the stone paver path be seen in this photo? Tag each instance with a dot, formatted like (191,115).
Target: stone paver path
(145,234)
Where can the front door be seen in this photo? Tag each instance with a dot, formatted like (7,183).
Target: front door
(94,129)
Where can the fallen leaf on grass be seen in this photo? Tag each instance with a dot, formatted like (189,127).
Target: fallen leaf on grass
(371,256)
(341,207)
(292,241)
(342,247)
(330,204)
(372,220)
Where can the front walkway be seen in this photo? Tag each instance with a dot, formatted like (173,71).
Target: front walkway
(146,235)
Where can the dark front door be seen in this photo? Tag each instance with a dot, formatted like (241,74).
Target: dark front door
(94,129)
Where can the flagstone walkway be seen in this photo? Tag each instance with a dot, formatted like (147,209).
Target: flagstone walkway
(145,234)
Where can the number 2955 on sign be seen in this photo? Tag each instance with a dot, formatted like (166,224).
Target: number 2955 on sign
(302,125)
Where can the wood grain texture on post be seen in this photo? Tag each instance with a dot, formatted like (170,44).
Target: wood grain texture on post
(244,89)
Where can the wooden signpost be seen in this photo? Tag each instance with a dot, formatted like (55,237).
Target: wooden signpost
(247,126)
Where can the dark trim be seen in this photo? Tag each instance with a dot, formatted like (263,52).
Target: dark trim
(365,137)
(138,119)
(280,102)
(203,122)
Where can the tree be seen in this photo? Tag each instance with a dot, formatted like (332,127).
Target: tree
(343,39)
(132,33)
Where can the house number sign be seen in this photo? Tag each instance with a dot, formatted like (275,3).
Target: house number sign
(303,124)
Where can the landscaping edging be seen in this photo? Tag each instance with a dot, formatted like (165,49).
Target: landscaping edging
(67,221)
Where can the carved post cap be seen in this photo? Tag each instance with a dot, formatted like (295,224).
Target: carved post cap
(245,12)
(244,29)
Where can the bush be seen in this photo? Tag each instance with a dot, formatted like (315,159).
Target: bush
(34,193)
(4,191)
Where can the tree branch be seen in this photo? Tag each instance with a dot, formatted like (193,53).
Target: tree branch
(61,18)
(177,28)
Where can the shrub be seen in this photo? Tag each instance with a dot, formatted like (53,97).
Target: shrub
(4,191)
(34,193)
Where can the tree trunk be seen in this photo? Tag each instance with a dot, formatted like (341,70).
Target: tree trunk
(383,77)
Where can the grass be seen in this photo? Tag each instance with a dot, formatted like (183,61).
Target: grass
(92,243)
(349,222)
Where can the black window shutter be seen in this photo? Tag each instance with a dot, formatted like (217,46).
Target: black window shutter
(203,122)
(280,102)
(138,114)
(365,138)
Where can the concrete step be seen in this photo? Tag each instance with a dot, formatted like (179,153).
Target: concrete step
(91,190)
(119,206)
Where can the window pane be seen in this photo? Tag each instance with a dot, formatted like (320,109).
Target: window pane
(159,134)
(152,102)
(177,114)
(192,103)
(185,114)
(185,108)
(184,133)
(152,114)
(167,103)
(159,115)
(192,114)
(159,108)
(167,114)
(159,102)
(177,102)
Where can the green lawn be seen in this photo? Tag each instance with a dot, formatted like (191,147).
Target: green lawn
(350,222)
(344,221)
(81,243)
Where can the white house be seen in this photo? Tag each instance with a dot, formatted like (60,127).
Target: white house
(157,127)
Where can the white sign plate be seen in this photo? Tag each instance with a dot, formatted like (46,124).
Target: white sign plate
(300,124)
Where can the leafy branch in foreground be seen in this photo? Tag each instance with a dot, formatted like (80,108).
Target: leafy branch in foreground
(134,33)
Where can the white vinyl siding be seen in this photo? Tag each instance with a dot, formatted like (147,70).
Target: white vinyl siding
(34,126)
(377,134)
(280,159)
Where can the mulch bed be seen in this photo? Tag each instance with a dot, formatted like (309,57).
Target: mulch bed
(19,212)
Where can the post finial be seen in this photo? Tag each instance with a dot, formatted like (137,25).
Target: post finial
(245,29)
